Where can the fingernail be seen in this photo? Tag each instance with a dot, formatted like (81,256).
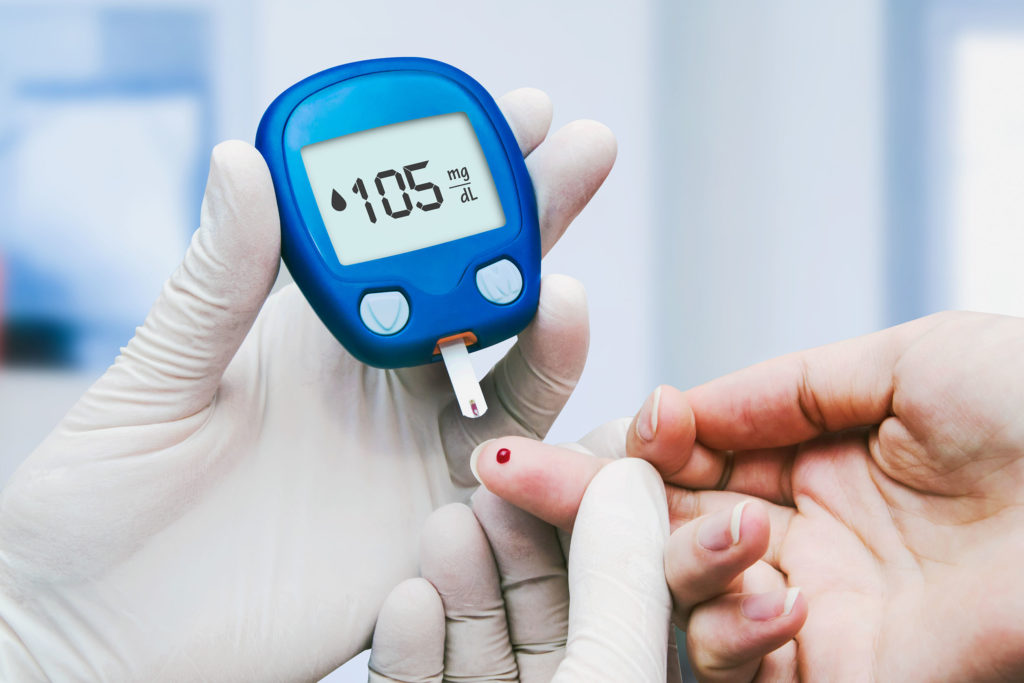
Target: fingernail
(791,594)
(647,420)
(722,529)
(766,606)
(737,519)
(475,456)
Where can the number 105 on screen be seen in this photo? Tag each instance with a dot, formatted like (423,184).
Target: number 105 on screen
(365,183)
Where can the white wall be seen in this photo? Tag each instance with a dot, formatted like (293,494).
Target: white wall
(771,182)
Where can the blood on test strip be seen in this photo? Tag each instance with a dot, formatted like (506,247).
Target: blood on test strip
(460,371)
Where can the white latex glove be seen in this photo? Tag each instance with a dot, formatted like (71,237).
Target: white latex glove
(495,603)
(236,496)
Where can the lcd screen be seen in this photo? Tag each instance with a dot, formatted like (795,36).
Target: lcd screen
(402,187)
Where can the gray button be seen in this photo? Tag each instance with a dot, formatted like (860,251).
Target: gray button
(384,312)
(500,282)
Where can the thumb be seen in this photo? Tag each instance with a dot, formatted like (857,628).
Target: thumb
(619,604)
(173,365)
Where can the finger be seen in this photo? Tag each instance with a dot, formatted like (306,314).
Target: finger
(607,441)
(663,433)
(534,584)
(173,366)
(527,389)
(408,641)
(566,171)
(546,481)
(779,664)
(549,482)
(619,609)
(528,112)
(761,577)
(797,397)
(456,558)
(706,557)
(685,505)
(727,637)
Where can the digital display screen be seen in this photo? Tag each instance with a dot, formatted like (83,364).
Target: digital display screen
(402,187)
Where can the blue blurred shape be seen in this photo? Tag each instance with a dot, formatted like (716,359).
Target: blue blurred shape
(167,47)
(105,122)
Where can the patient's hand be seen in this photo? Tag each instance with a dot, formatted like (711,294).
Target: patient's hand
(891,472)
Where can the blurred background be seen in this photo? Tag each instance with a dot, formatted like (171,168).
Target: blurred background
(789,173)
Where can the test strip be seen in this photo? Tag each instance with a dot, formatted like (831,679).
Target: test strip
(460,371)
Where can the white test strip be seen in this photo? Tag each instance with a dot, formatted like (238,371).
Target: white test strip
(460,371)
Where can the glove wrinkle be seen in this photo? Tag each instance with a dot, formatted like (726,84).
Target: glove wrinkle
(517,395)
(210,302)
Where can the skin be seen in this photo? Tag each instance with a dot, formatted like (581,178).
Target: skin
(889,473)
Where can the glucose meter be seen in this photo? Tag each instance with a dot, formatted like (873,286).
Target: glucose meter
(408,218)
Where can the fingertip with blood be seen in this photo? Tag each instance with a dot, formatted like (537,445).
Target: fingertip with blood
(546,481)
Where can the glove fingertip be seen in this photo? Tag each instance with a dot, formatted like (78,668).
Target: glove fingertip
(528,112)
(408,640)
(239,205)
(563,295)
(601,141)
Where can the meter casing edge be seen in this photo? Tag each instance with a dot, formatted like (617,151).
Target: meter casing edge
(441,290)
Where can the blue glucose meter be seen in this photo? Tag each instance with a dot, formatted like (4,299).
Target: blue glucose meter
(408,218)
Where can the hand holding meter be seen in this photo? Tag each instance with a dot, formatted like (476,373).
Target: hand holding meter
(407,214)
(234,437)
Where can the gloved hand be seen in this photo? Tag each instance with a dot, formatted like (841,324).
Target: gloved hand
(236,496)
(495,603)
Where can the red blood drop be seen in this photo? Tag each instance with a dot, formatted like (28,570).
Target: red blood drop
(503,455)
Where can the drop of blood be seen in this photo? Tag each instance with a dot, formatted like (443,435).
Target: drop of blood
(503,455)
(337,201)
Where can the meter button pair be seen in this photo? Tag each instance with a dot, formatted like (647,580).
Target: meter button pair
(500,283)
(384,313)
